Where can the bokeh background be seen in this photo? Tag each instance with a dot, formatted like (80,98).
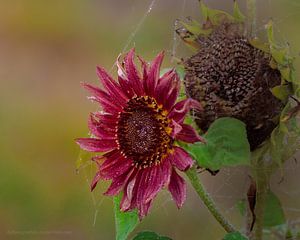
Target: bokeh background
(46,49)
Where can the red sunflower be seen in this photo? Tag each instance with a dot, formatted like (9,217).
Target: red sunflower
(137,130)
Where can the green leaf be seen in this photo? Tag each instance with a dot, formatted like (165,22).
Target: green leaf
(285,137)
(237,14)
(149,236)
(285,73)
(274,214)
(280,55)
(125,221)
(181,72)
(194,27)
(282,92)
(213,15)
(255,42)
(270,32)
(234,236)
(226,145)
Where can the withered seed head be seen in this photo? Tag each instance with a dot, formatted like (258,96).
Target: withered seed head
(231,78)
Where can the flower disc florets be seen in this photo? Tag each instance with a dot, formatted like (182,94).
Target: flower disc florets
(143,132)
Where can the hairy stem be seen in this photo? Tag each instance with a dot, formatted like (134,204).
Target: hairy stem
(207,200)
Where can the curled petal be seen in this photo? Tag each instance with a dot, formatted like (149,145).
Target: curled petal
(167,89)
(173,95)
(96,145)
(123,80)
(121,70)
(188,134)
(181,108)
(181,159)
(153,74)
(132,73)
(177,188)
(164,85)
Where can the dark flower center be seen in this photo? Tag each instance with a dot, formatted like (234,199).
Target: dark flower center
(143,132)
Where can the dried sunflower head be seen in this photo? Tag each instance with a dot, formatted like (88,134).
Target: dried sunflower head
(232,75)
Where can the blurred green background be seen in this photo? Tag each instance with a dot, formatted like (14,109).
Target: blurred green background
(46,49)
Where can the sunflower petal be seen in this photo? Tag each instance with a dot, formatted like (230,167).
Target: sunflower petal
(114,166)
(153,74)
(181,159)
(97,129)
(177,188)
(169,103)
(176,128)
(96,145)
(158,177)
(188,134)
(144,209)
(128,202)
(143,184)
(123,80)
(164,85)
(95,180)
(181,108)
(144,65)
(102,97)
(167,89)
(114,90)
(118,183)
(132,73)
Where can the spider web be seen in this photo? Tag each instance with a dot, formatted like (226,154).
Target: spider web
(231,184)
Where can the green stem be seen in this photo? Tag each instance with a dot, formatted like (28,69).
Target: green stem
(261,193)
(195,181)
